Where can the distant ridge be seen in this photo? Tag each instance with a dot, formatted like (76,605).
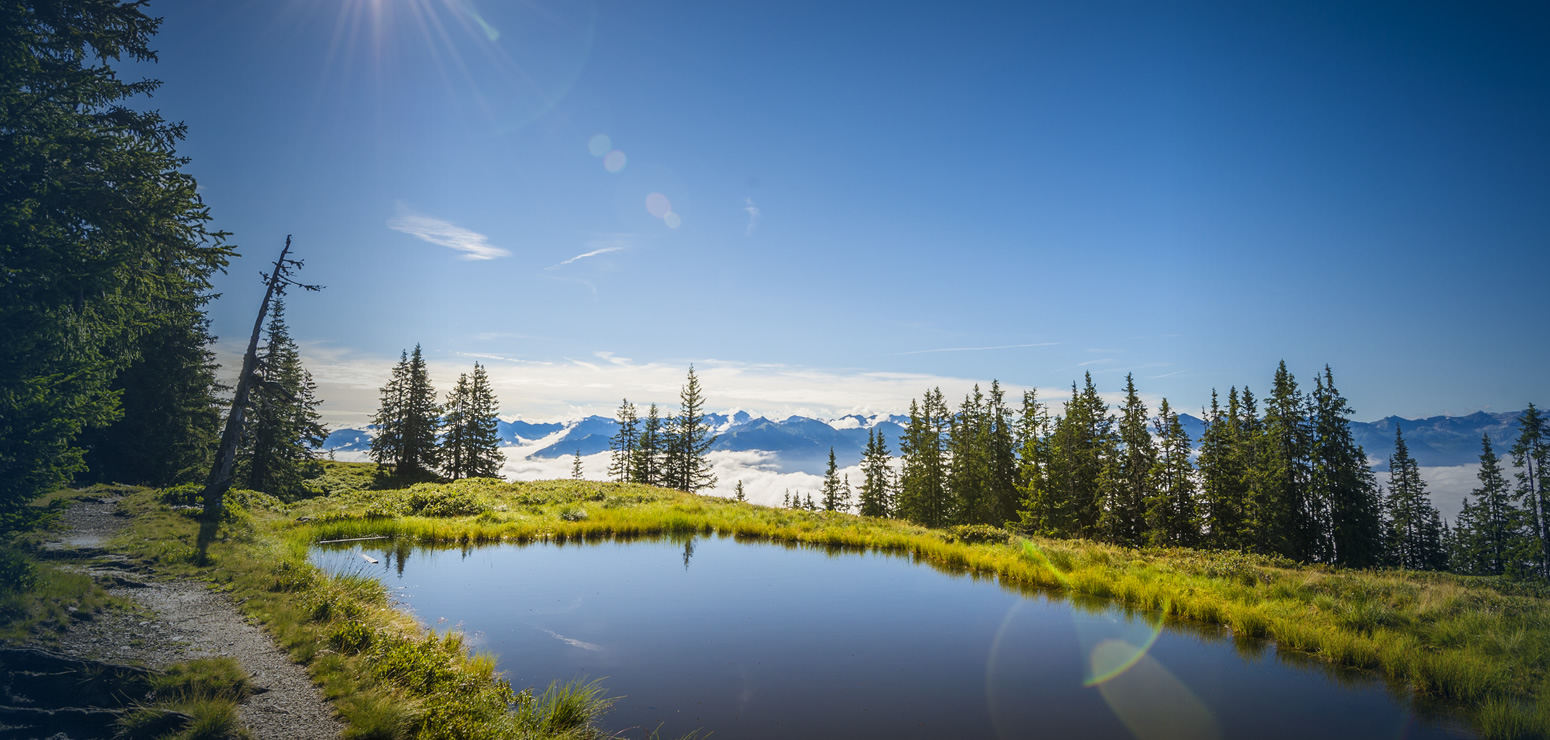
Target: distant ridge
(800,443)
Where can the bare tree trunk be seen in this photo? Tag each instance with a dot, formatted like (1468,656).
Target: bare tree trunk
(219,480)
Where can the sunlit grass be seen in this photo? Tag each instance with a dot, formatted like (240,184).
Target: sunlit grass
(1479,645)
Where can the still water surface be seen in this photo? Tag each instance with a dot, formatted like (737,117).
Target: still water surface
(769,641)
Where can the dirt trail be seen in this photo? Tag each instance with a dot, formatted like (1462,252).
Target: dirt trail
(182,620)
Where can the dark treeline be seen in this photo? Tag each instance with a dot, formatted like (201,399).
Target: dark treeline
(105,263)
(668,452)
(1280,476)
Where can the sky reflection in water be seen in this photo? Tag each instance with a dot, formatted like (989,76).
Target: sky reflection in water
(762,640)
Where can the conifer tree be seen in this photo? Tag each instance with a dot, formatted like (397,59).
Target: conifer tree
(1221,479)
(1287,520)
(1342,484)
(1415,529)
(1496,528)
(1249,448)
(689,439)
(1081,449)
(648,464)
(737,493)
(1531,456)
(876,486)
(785,499)
(1124,517)
(171,404)
(621,466)
(103,242)
(408,420)
(810,506)
(575,466)
(470,447)
(1035,512)
(1172,515)
(278,448)
(1002,459)
(969,484)
(831,486)
(923,480)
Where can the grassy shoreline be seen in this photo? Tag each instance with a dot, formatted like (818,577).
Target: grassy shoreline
(1480,646)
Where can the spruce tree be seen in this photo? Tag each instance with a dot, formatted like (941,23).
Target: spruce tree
(647,466)
(689,439)
(831,486)
(1343,485)
(877,485)
(470,446)
(1496,529)
(1082,447)
(1001,435)
(103,243)
(1036,511)
(1172,515)
(408,420)
(575,466)
(1130,488)
(621,466)
(1531,456)
(1221,475)
(923,480)
(737,493)
(1287,519)
(277,451)
(171,405)
(969,470)
(1415,529)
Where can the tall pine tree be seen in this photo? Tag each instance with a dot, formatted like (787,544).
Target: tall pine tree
(877,483)
(1129,480)
(408,420)
(1352,532)
(1171,512)
(1414,539)
(923,480)
(470,445)
(621,465)
(1286,519)
(647,467)
(1531,456)
(689,439)
(279,444)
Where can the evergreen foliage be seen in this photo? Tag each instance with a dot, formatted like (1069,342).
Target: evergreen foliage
(647,466)
(1488,536)
(621,465)
(1131,493)
(832,498)
(923,480)
(1531,456)
(279,444)
(470,445)
(1287,517)
(105,244)
(689,437)
(1347,491)
(575,466)
(877,483)
(1172,514)
(1415,532)
(408,419)
(738,494)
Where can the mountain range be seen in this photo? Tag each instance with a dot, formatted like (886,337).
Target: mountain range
(799,443)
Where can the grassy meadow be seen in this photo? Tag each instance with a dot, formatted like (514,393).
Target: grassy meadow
(1481,646)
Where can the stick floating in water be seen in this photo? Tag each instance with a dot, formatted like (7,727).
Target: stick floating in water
(368,558)
(352,539)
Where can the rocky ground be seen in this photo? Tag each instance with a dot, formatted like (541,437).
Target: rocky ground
(180,620)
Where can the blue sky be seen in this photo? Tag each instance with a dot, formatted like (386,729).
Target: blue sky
(828,207)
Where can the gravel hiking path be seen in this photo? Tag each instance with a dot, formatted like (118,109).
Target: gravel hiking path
(182,620)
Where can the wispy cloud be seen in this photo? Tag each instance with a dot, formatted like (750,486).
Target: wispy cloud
(593,253)
(977,349)
(754,216)
(473,245)
(1095,362)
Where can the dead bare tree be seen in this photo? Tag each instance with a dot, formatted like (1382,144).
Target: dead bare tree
(225,465)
